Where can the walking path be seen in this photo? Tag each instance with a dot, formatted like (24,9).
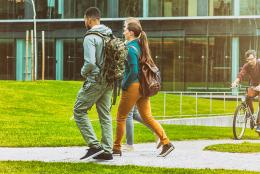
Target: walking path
(188,154)
(219,121)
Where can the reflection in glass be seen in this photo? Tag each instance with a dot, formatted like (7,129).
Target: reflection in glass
(41,9)
(81,6)
(50,59)
(7,59)
(12,9)
(246,43)
(249,7)
(173,63)
(53,9)
(220,7)
(73,59)
(219,68)
(130,8)
(168,8)
(196,62)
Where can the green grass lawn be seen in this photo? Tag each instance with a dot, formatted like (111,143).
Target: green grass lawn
(90,168)
(245,147)
(42,98)
(39,114)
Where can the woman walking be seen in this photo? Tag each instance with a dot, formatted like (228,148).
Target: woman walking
(133,114)
(138,47)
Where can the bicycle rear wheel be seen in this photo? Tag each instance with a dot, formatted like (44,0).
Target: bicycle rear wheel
(239,121)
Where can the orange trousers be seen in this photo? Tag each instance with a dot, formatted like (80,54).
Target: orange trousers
(129,98)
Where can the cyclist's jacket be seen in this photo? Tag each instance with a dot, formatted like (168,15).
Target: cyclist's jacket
(252,72)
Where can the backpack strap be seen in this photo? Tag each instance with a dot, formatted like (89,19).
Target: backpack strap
(136,51)
(97,34)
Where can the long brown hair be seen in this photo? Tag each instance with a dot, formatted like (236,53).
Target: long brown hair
(136,28)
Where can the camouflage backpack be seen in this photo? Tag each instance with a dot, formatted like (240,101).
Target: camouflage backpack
(114,61)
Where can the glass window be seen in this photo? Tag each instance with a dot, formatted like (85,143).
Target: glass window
(250,7)
(220,8)
(70,9)
(196,62)
(7,59)
(193,8)
(102,5)
(168,8)
(155,8)
(219,69)
(81,6)
(246,43)
(257,6)
(175,8)
(52,9)
(173,64)
(12,9)
(50,59)
(73,61)
(132,8)
(42,10)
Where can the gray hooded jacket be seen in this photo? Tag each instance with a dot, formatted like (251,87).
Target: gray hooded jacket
(94,53)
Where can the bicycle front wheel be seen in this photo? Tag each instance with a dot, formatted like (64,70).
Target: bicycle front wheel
(239,121)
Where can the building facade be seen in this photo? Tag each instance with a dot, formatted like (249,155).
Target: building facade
(197,44)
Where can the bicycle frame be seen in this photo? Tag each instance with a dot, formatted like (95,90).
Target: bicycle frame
(242,117)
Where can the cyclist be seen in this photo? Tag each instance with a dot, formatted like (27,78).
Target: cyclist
(252,69)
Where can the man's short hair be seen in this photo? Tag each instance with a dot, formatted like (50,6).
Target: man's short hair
(93,12)
(249,52)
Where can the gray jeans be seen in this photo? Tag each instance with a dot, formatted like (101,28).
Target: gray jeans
(100,94)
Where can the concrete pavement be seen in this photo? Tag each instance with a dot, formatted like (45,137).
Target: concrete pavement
(187,154)
(219,121)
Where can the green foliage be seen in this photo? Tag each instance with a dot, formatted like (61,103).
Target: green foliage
(245,147)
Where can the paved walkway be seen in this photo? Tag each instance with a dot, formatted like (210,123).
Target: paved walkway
(188,154)
(219,121)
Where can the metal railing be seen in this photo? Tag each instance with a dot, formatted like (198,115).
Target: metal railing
(211,96)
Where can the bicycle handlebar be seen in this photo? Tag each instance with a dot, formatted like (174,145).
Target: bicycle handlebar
(246,86)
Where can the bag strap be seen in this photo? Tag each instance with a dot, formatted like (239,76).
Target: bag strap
(139,56)
(116,91)
(97,34)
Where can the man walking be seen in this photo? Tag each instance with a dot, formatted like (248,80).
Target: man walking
(95,90)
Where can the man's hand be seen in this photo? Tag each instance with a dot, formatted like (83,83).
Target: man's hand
(234,84)
(257,88)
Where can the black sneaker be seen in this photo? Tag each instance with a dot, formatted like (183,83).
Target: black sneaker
(92,152)
(166,149)
(104,156)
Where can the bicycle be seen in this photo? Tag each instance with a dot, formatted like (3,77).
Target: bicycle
(241,117)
